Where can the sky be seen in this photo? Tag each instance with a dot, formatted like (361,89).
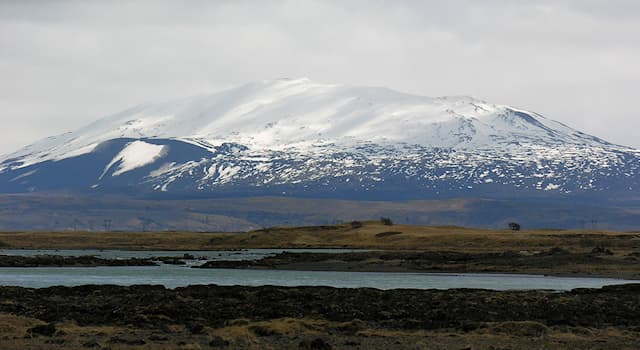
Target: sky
(64,64)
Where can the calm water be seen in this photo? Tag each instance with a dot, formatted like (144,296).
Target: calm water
(176,275)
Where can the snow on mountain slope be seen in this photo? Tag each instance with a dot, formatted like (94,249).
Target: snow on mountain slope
(295,132)
(134,155)
(285,113)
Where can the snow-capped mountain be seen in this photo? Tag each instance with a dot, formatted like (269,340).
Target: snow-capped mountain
(299,137)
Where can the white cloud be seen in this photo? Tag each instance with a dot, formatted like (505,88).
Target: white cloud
(66,63)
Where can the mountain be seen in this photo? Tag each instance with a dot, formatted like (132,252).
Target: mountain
(300,138)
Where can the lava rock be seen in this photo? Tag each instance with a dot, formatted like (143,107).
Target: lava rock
(47,330)
(316,344)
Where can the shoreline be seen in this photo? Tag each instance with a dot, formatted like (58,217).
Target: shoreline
(555,262)
(623,277)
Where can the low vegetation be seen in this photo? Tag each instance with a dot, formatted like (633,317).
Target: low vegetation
(368,234)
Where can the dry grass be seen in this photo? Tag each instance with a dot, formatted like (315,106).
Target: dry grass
(405,237)
(12,324)
(288,332)
(244,329)
(14,334)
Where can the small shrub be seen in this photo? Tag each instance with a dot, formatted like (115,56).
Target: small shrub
(386,221)
(356,224)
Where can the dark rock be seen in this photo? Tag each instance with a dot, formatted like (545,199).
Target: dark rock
(56,260)
(158,308)
(263,331)
(600,250)
(157,337)
(127,341)
(196,328)
(218,342)
(47,330)
(171,260)
(91,344)
(469,326)
(316,344)
(557,251)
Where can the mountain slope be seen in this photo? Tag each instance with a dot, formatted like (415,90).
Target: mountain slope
(301,138)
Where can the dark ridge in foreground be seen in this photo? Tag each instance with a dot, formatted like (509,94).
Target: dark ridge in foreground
(206,317)
(156,307)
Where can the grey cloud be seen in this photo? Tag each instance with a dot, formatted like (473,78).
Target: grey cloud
(67,63)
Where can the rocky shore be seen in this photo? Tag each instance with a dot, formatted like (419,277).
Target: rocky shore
(598,261)
(318,318)
(89,261)
(69,261)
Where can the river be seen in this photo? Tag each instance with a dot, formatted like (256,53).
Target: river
(173,276)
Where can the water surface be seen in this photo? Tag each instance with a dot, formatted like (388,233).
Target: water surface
(173,276)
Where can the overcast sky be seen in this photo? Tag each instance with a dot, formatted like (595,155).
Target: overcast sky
(64,64)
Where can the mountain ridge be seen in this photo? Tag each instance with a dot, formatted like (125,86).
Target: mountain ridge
(298,137)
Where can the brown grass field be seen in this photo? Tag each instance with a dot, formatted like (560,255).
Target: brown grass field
(372,235)
(290,333)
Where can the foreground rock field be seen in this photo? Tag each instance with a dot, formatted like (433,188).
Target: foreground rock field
(200,317)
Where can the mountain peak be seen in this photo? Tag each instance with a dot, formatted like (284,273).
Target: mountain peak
(288,131)
(285,112)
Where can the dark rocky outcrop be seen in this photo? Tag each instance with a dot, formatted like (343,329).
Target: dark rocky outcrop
(57,260)
(433,261)
(47,330)
(315,344)
(156,307)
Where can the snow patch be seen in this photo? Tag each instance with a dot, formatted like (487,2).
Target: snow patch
(551,187)
(134,155)
(77,152)
(28,173)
